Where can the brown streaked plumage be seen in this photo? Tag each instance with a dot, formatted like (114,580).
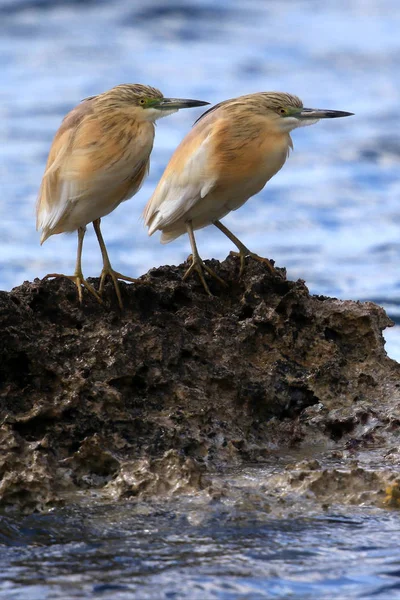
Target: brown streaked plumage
(232,151)
(99,158)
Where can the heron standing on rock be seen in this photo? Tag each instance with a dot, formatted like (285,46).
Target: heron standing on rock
(232,151)
(99,158)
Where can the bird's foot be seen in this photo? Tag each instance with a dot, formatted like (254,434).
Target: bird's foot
(80,282)
(199,266)
(115,276)
(245,252)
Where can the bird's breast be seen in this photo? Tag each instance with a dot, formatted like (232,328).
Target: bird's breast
(252,163)
(126,140)
(132,145)
(274,154)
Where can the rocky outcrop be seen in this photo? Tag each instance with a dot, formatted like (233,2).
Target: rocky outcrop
(153,400)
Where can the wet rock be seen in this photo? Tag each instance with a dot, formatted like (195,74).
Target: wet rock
(152,400)
(161,477)
(27,475)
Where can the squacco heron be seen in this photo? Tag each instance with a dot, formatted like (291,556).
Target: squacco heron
(232,151)
(99,158)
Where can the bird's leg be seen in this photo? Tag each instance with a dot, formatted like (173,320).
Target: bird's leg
(244,251)
(107,268)
(197,263)
(78,277)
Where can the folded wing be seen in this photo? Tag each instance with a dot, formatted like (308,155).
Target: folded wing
(186,180)
(88,172)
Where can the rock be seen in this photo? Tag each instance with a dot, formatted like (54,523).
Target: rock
(163,476)
(153,400)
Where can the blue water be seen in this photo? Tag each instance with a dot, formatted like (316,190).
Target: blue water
(187,550)
(331,216)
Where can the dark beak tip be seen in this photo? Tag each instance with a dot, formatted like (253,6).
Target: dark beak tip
(342,113)
(197,103)
(335,114)
(316,113)
(181,103)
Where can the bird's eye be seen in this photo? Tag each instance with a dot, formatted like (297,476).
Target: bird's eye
(142,101)
(283,111)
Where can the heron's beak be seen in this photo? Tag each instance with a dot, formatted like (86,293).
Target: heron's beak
(319,113)
(177,103)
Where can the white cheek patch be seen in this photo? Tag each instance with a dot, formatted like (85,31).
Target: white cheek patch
(306,122)
(289,123)
(152,114)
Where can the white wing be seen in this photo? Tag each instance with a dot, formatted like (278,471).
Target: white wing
(180,189)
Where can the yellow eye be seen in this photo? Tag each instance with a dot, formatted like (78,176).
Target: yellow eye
(142,101)
(283,111)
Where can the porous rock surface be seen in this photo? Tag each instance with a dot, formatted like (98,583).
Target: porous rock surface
(180,385)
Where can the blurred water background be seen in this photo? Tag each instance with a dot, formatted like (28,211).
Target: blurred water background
(331,216)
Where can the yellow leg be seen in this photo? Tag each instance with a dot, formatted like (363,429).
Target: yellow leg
(244,251)
(78,277)
(107,268)
(197,263)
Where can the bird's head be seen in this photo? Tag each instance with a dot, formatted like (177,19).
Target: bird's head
(149,102)
(288,111)
(284,112)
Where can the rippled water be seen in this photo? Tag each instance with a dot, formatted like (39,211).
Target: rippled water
(331,216)
(194,551)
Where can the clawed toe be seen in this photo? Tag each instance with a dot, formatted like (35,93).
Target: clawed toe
(115,276)
(199,266)
(265,261)
(80,282)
